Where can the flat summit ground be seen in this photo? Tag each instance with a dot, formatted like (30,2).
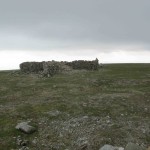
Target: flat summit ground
(78,109)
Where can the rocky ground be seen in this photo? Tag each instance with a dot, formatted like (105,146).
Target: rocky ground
(76,110)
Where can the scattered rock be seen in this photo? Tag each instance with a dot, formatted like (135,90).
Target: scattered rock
(24,148)
(110,147)
(24,143)
(132,146)
(21,142)
(34,142)
(84,145)
(25,127)
(53,113)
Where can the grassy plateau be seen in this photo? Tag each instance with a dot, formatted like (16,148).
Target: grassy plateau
(77,110)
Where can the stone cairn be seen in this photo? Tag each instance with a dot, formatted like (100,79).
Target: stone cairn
(50,68)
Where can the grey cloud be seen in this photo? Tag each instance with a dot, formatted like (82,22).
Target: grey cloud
(36,24)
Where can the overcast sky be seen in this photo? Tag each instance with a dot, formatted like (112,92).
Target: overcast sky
(114,31)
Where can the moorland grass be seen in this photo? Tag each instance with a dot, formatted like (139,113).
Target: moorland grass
(112,90)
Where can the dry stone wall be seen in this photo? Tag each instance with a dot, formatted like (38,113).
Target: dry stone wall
(83,64)
(50,68)
(31,67)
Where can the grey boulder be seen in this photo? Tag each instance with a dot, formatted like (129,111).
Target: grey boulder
(110,147)
(25,127)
